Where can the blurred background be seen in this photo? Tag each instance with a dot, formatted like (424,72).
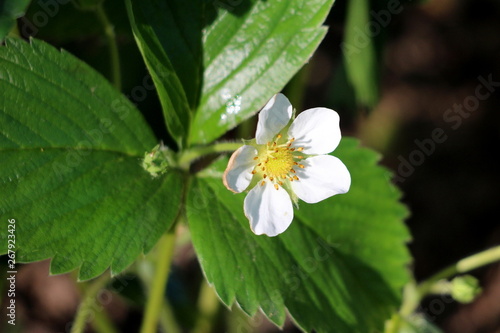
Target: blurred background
(419,83)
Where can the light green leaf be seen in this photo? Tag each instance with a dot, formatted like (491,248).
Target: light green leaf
(250,52)
(168,34)
(70,174)
(359,52)
(10,10)
(340,267)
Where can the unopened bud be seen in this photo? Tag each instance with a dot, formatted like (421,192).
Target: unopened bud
(465,289)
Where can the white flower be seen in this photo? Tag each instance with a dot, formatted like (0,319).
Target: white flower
(287,160)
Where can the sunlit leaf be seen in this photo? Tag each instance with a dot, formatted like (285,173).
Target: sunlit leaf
(340,267)
(216,63)
(70,174)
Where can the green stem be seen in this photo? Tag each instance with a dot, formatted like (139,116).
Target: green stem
(462,266)
(14,32)
(413,295)
(208,307)
(85,308)
(167,319)
(114,55)
(196,152)
(102,324)
(145,270)
(165,251)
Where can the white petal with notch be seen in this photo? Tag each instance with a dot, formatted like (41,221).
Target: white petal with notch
(273,117)
(316,130)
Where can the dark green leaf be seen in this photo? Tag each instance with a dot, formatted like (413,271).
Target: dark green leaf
(340,267)
(70,148)
(168,34)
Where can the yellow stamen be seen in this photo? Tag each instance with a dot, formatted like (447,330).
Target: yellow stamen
(276,162)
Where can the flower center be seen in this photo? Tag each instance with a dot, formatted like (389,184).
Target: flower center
(276,162)
(279,161)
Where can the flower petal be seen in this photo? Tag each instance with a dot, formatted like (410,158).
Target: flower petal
(238,174)
(269,211)
(316,130)
(321,177)
(273,117)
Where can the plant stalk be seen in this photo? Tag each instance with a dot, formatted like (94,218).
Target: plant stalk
(413,295)
(165,251)
(208,307)
(85,308)
(114,56)
(194,153)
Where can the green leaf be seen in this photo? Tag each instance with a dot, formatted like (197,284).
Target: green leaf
(70,152)
(250,52)
(216,63)
(340,267)
(168,34)
(10,10)
(359,52)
